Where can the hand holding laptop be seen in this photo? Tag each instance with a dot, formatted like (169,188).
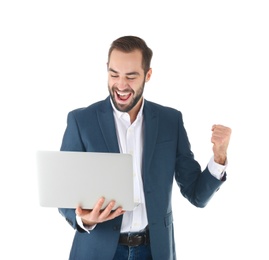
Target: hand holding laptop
(97,214)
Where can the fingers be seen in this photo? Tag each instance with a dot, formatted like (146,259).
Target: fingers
(220,139)
(99,214)
(108,213)
(216,127)
(98,205)
(82,212)
(79,211)
(103,214)
(220,134)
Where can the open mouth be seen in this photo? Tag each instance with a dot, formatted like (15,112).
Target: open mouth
(122,96)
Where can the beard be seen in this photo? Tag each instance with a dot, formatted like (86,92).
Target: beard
(136,96)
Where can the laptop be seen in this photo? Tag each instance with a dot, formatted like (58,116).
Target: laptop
(70,179)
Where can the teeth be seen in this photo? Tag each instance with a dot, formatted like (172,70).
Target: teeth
(122,94)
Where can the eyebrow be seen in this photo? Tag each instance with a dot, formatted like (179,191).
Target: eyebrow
(128,74)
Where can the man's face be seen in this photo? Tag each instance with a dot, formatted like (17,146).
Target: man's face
(126,80)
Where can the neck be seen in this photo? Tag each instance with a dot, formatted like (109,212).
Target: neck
(134,111)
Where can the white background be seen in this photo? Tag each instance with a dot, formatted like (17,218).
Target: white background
(211,61)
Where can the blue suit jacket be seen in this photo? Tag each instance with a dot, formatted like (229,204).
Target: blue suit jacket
(166,157)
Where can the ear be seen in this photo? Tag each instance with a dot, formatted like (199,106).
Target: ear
(148,75)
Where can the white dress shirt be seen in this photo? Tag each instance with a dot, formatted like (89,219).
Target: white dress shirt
(130,140)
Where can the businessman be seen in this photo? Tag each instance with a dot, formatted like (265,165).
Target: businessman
(125,122)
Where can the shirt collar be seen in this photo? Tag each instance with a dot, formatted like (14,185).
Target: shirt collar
(120,114)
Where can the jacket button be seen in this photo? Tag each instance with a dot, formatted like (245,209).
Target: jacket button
(117,227)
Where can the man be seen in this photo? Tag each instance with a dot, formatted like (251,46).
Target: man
(125,122)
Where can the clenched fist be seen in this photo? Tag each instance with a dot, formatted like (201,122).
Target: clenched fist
(220,139)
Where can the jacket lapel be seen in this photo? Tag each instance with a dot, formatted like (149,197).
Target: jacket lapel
(108,129)
(107,126)
(151,121)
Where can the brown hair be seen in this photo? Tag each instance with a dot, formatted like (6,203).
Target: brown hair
(131,43)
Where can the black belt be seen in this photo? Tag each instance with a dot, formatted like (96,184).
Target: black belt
(134,239)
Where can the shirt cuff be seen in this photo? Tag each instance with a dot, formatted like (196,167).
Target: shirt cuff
(217,170)
(84,227)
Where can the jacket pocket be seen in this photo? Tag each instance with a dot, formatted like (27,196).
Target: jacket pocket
(168,219)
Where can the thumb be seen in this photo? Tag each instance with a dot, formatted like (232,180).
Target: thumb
(79,211)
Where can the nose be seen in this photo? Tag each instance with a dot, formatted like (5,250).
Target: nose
(122,83)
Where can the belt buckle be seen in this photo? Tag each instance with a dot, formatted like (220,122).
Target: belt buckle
(132,240)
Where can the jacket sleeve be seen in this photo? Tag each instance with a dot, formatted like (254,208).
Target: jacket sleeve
(195,185)
(72,138)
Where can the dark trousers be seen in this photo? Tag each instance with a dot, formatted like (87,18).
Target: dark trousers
(141,252)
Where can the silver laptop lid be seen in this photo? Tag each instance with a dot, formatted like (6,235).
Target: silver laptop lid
(71,179)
